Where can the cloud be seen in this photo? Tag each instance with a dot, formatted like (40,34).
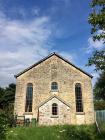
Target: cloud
(93,45)
(95,77)
(97,44)
(22,44)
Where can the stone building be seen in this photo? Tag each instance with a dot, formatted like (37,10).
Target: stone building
(54,91)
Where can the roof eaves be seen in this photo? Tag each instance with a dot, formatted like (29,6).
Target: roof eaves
(35,64)
(73,65)
(49,57)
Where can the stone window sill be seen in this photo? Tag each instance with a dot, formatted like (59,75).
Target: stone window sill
(80,113)
(54,91)
(54,116)
(28,113)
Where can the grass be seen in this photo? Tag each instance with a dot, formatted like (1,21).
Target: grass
(64,132)
(102,126)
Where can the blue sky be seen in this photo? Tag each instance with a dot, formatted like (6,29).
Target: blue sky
(31,29)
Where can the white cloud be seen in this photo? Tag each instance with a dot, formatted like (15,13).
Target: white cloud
(21,44)
(95,76)
(95,44)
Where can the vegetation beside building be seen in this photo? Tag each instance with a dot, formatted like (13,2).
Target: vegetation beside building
(66,132)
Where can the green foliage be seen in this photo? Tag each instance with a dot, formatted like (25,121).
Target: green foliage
(99,88)
(10,118)
(2,92)
(98,59)
(97,19)
(99,105)
(7,96)
(79,132)
(66,132)
(3,125)
(102,127)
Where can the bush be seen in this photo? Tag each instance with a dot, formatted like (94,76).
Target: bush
(99,105)
(82,132)
(3,125)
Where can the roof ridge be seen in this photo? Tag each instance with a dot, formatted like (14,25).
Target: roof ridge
(45,58)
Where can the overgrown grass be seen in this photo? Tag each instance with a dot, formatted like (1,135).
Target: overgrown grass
(65,132)
(102,127)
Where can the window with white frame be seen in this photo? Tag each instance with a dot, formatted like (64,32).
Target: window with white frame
(54,86)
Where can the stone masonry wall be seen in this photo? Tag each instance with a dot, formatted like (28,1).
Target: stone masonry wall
(46,117)
(55,70)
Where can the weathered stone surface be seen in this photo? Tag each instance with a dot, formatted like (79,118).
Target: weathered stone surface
(41,76)
(46,117)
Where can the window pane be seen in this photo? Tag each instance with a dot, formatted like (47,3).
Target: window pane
(79,106)
(54,86)
(29,98)
(54,109)
(78,98)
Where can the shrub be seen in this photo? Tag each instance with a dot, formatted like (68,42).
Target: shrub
(82,132)
(99,105)
(3,125)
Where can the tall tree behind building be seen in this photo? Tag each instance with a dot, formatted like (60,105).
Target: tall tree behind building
(97,21)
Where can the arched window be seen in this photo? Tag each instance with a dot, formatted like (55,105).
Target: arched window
(29,97)
(78,98)
(54,86)
(54,109)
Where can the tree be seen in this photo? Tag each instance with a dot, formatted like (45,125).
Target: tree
(99,105)
(3,125)
(2,92)
(98,59)
(7,96)
(97,19)
(99,88)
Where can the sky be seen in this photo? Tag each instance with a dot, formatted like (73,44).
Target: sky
(32,29)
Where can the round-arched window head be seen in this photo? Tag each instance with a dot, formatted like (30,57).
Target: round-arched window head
(54,86)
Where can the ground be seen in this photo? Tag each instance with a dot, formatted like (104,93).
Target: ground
(64,132)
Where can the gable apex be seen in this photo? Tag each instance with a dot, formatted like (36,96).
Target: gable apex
(50,55)
(50,98)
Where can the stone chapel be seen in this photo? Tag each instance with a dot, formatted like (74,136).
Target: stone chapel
(54,91)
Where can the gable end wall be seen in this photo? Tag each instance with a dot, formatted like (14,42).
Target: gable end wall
(55,69)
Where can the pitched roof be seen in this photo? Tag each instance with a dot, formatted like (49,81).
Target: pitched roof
(50,98)
(46,59)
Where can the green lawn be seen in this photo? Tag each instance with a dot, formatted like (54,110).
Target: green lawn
(66,132)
